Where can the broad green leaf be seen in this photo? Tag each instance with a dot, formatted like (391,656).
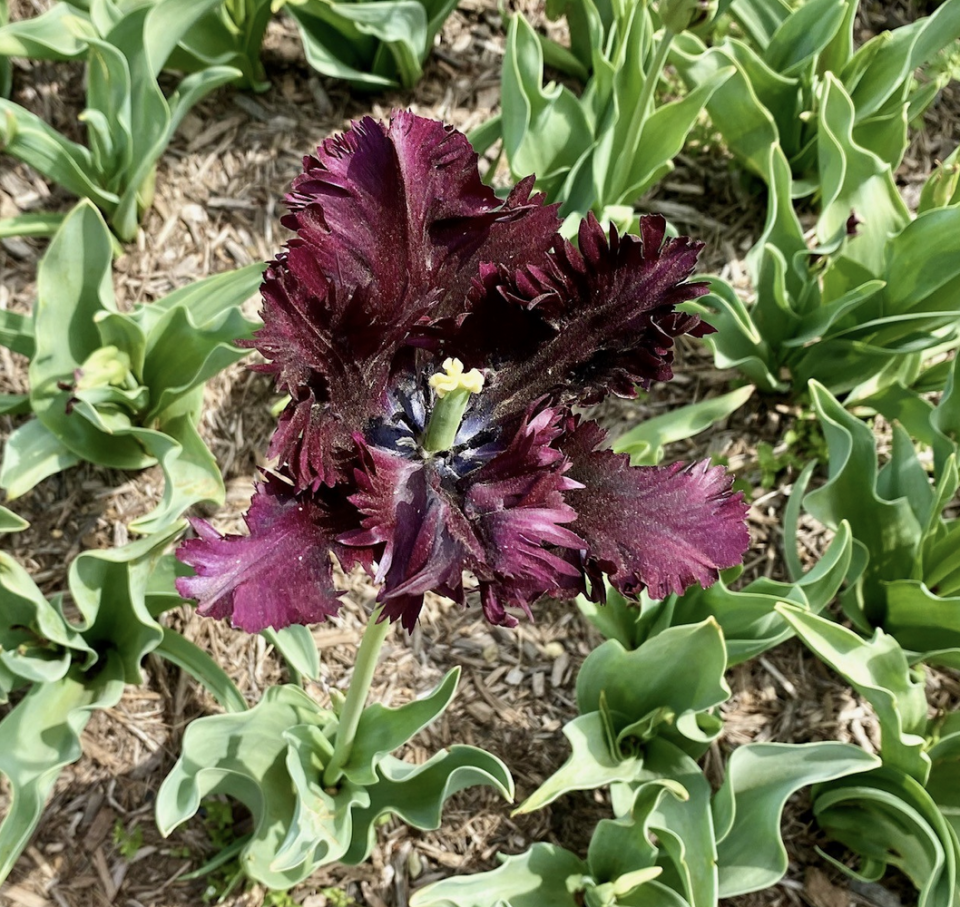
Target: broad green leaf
(30,139)
(803,35)
(888,818)
(190,473)
(934,285)
(544,128)
(189,657)
(416,793)
(591,764)
(854,179)
(16,333)
(321,829)
(760,19)
(760,778)
(109,590)
(381,729)
(41,736)
(298,648)
(878,670)
(74,283)
(30,455)
(11,522)
(243,755)
(888,529)
(682,824)
(166,23)
(56,34)
(748,617)
(205,300)
(532,879)
(891,57)
(38,224)
(610,672)
(645,443)
(181,355)
(921,621)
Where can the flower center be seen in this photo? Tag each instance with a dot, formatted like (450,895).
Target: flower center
(453,388)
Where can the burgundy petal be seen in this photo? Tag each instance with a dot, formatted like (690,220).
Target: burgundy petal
(590,321)
(427,541)
(517,503)
(392,223)
(655,527)
(503,522)
(281,573)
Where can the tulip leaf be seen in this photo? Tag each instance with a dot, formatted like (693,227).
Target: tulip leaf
(888,818)
(31,454)
(381,730)
(536,877)
(296,644)
(591,764)
(760,779)
(878,670)
(39,737)
(416,793)
(189,657)
(645,443)
(243,755)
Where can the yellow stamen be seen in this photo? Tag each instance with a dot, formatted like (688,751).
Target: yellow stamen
(453,378)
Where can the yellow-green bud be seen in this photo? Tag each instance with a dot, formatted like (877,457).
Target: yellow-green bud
(679,15)
(107,365)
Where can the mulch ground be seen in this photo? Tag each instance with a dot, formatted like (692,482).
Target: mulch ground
(218,201)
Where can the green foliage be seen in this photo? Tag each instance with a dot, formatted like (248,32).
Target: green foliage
(374,44)
(904,813)
(759,780)
(128,843)
(905,574)
(812,118)
(623,866)
(619,718)
(272,758)
(603,150)
(784,58)
(121,390)
(129,121)
(646,442)
(70,666)
(858,312)
(747,617)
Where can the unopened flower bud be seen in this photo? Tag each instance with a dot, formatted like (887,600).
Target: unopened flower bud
(679,15)
(105,366)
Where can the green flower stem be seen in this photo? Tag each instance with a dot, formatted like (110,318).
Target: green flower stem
(367,656)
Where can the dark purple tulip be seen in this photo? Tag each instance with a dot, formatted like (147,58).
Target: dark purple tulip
(405,264)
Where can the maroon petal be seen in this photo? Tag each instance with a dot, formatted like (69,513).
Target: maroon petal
(517,504)
(653,527)
(503,522)
(590,321)
(427,541)
(281,573)
(392,223)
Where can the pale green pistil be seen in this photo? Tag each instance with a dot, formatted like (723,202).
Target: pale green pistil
(453,388)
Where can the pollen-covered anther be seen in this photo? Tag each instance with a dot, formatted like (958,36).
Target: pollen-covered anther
(453,378)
